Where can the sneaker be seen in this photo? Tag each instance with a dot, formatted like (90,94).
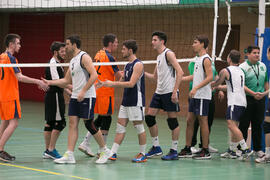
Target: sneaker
(194,149)
(44,155)
(52,154)
(4,156)
(68,158)
(229,154)
(203,154)
(113,157)
(263,159)
(85,148)
(154,151)
(139,158)
(185,153)
(104,156)
(245,154)
(212,149)
(259,154)
(172,155)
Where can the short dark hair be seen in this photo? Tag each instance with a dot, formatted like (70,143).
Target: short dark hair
(235,55)
(161,36)
(75,39)
(131,44)
(56,45)
(251,48)
(202,39)
(108,38)
(10,38)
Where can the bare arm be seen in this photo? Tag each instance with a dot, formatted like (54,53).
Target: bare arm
(151,76)
(26,79)
(221,78)
(179,74)
(89,66)
(208,79)
(63,82)
(137,72)
(187,78)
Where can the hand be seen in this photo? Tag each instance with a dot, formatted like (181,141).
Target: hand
(99,84)
(192,92)
(258,95)
(107,83)
(174,97)
(68,91)
(212,84)
(43,85)
(221,96)
(80,97)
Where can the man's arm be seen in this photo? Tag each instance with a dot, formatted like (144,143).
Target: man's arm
(151,76)
(221,78)
(137,72)
(63,82)
(179,74)
(26,79)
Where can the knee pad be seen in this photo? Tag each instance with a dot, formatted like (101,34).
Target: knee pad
(139,128)
(98,122)
(266,127)
(50,127)
(172,123)
(59,125)
(150,120)
(90,126)
(120,129)
(106,123)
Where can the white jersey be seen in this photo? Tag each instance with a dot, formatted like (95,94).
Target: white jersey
(198,76)
(165,74)
(80,77)
(235,87)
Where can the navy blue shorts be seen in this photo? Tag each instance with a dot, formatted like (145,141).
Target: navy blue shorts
(199,107)
(163,101)
(234,112)
(84,109)
(267,113)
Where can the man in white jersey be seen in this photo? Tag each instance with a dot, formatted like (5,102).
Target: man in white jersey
(200,97)
(82,75)
(168,74)
(266,126)
(235,87)
(133,103)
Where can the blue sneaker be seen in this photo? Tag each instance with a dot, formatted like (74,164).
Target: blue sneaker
(154,151)
(139,158)
(113,158)
(172,155)
(53,154)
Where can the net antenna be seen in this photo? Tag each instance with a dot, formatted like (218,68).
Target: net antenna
(228,31)
(261,23)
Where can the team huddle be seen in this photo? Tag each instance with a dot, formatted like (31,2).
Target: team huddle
(91,91)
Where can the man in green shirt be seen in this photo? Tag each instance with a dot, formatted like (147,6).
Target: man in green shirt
(256,82)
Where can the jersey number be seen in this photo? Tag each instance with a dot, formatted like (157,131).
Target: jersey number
(98,69)
(241,81)
(2,73)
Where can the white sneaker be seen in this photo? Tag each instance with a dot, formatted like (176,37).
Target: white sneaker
(259,154)
(104,156)
(68,158)
(264,159)
(212,150)
(194,150)
(85,148)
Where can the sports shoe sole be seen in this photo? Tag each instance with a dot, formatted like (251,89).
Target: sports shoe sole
(139,161)
(5,160)
(156,154)
(202,158)
(185,156)
(85,152)
(66,162)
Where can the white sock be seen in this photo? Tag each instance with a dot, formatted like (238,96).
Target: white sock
(174,145)
(267,150)
(243,144)
(69,152)
(155,141)
(142,149)
(233,146)
(115,147)
(105,137)
(87,138)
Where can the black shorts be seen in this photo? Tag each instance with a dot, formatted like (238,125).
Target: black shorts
(83,109)
(54,106)
(163,101)
(235,112)
(199,106)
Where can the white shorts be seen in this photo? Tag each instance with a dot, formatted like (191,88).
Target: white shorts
(133,113)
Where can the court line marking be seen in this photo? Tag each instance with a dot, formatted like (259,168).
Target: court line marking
(44,171)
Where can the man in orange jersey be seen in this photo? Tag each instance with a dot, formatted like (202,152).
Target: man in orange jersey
(10,109)
(105,95)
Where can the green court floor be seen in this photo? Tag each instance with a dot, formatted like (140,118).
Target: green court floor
(27,145)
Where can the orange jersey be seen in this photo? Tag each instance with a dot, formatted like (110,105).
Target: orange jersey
(105,72)
(9,89)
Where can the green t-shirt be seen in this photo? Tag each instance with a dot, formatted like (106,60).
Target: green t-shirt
(255,75)
(191,70)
